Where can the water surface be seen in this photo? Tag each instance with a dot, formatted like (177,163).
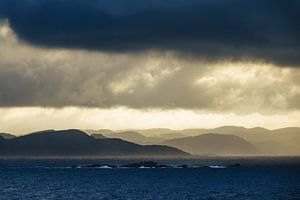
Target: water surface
(276,178)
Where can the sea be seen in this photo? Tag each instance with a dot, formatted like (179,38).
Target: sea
(206,178)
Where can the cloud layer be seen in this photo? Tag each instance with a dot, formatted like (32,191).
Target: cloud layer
(35,76)
(211,29)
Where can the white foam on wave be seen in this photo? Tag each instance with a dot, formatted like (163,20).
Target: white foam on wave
(105,167)
(143,167)
(217,166)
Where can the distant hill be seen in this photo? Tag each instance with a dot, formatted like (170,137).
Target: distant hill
(100,131)
(98,136)
(152,132)
(289,137)
(272,147)
(129,136)
(216,144)
(135,137)
(7,135)
(159,133)
(147,136)
(240,131)
(284,141)
(77,143)
(171,135)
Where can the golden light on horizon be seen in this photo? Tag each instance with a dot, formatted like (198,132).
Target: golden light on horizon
(26,120)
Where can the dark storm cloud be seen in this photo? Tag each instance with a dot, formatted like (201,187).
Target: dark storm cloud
(31,76)
(210,29)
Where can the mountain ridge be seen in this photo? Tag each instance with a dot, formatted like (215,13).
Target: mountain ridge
(77,143)
(213,143)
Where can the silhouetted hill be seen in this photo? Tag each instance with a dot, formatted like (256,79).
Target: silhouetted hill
(78,143)
(213,144)
(7,135)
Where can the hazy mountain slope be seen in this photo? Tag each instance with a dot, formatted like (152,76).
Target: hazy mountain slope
(284,141)
(290,137)
(253,135)
(213,144)
(159,133)
(98,136)
(153,132)
(129,136)
(279,141)
(78,143)
(171,135)
(7,135)
(272,148)
(147,136)
(100,131)
(135,137)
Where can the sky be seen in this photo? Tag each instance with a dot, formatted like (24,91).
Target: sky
(122,64)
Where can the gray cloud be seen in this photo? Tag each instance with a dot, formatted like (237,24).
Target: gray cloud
(34,76)
(210,29)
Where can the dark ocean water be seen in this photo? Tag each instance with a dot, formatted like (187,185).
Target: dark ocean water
(257,178)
